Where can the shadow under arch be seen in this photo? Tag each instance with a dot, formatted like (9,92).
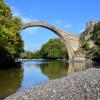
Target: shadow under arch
(63,35)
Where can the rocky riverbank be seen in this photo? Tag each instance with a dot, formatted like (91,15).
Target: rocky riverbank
(84,85)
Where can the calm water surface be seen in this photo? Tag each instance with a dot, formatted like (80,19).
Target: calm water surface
(34,72)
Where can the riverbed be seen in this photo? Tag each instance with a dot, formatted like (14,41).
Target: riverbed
(83,85)
(31,73)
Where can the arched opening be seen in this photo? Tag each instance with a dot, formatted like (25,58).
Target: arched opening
(57,31)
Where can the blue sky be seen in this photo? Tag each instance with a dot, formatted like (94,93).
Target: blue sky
(68,15)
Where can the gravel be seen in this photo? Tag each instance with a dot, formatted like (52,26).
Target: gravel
(83,85)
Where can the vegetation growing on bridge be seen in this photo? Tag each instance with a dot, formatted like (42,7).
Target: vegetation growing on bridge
(11,44)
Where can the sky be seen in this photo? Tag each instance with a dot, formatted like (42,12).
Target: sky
(68,15)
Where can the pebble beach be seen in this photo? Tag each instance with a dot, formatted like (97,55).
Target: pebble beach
(83,85)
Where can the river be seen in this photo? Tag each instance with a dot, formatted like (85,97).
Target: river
(35,72)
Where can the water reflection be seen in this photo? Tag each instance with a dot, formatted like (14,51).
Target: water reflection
(59,69)
(34,72)
(10,81)
(76,66)
(54,70)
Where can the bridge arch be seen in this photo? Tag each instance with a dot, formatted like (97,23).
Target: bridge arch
(64,36)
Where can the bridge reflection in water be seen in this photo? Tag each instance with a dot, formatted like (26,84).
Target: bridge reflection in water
(34,72)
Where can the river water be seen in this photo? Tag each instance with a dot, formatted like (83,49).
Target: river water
(35,72)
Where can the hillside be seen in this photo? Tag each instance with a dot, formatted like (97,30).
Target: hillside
(90,41)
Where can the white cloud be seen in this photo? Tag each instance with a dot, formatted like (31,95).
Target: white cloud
(25,19)
(15,11)
(63,24)
(68,26)
(32,31)
(28,19)
(30,46)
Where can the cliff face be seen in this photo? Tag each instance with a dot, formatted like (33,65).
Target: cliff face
(90,41)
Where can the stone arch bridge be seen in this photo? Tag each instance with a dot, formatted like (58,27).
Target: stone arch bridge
(71,42)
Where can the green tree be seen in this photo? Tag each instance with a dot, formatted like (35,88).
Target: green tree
(96,37)
(31,55)
(11,44)
(37,55)
(54,49)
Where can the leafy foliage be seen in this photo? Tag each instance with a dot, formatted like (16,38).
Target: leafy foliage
(86,45)
(11,44)
(31,55)
(96,38)
(54,49)
(54,70)
(37,55)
